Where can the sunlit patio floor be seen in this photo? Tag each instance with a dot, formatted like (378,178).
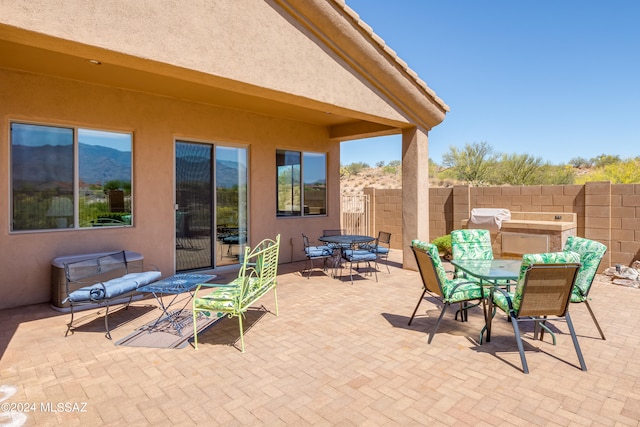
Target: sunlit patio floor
(338,354)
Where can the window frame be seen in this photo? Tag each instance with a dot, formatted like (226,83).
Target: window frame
(302,210)
(76,190)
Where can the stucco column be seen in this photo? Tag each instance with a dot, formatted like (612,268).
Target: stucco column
(415,192)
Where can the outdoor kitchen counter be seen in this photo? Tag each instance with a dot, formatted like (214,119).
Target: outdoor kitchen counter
(538,225)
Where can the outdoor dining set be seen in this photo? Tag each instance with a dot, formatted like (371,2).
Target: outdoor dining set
(537,288)
(337,246)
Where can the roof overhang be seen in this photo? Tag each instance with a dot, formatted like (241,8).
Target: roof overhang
(331,21)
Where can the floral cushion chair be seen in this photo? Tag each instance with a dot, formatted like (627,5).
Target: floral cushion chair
(591,253)
(544,289)
(436,282)
(471,244)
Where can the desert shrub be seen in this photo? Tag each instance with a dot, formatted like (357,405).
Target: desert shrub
(443,243)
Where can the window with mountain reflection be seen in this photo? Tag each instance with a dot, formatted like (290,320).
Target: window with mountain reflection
(47,194)
(301,183)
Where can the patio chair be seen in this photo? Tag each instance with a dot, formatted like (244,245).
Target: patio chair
(315,252)
(591,253)
(381,247)
(356,255)
(470,244)
(543,289)
(435,281)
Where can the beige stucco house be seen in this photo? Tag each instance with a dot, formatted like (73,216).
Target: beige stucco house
(182,130)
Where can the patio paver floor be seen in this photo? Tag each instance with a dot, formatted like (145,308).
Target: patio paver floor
(338,354)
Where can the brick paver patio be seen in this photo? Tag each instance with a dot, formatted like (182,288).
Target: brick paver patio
(338,354)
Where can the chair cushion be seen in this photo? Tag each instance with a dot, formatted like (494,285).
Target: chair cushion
(220,299)
(591,253)
(114,287)
(358,255)
(467,289)
(380,250)
(454,290)
(471,244)
(318,251)
(501,301)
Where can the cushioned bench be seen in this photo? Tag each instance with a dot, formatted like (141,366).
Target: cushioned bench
(102,280)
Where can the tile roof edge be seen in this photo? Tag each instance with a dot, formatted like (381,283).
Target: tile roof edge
(367,29)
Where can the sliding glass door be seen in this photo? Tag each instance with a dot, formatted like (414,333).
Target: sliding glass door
(211,205)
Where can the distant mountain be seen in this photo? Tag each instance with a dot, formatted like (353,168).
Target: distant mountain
(196,169)
(48,165)
(51,165)
(99,164)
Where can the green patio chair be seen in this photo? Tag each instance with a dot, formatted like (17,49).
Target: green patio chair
(591,253)
(470,244)
(435,281)
(544,289)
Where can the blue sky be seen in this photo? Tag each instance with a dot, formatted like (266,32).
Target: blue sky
(556,79)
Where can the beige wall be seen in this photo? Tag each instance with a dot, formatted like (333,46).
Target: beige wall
(293,74)
(155,123)
(242,47)
(386,213)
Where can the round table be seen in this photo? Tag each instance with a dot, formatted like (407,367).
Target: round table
(347,239)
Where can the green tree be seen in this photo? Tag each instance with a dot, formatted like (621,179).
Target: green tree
(580,162)
(393,168)
(356,168)
(517,169)
(556,175)
(605,159)
(434,168)
(472,164)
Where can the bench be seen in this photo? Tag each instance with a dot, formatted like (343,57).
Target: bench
(256,277)
(103,280)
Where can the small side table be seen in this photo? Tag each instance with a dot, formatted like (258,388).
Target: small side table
(174,285)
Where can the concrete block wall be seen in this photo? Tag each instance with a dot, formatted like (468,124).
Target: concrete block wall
(608,213)
(386,213)
(625,223)
(440,211)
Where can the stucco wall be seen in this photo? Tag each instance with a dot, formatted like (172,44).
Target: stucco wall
(155,123)
(238,45)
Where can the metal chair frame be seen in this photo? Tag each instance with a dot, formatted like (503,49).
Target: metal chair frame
(546,291)
(428,267)
(311,252)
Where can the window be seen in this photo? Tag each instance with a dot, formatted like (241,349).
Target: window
(302,183)
(68,178)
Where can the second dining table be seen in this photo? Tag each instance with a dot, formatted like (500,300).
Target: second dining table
(491,272)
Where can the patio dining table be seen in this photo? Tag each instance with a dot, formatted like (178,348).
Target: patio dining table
(491,272)
(346,239)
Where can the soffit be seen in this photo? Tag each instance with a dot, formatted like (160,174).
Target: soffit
(174,82)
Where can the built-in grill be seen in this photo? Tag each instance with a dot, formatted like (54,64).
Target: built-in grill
(516,233)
